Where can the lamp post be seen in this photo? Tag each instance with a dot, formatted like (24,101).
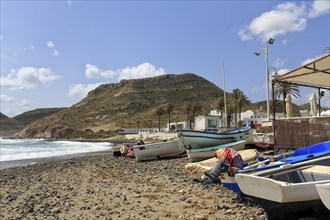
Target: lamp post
(269,41)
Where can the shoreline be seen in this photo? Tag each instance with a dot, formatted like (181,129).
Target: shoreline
(27,162)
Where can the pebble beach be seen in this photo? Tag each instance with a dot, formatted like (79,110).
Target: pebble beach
(100,186)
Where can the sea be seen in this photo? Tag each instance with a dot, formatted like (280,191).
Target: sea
(20,152)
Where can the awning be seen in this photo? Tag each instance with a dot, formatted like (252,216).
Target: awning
(314,74)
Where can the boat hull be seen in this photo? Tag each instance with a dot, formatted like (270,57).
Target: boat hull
(324,193)
(157,150)
(292,210)
(207,152)
(190,139)
(264,140)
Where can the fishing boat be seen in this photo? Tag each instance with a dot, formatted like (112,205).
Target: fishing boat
(264,136)
(289,189)
(157,150)
(324,193)
(190,139)
(266,163)
(199,154)
(264,140)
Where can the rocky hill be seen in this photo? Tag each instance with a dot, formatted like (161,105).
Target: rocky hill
(9,126)
(129,103)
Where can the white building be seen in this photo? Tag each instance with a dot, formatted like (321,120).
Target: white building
(207,123)
(253,117)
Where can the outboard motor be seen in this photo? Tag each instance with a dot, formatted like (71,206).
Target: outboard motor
(215,172)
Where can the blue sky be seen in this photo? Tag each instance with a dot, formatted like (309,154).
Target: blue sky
(54,52)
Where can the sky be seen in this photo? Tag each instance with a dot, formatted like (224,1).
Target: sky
(54,52)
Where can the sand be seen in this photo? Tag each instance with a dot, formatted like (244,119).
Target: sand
(104,187)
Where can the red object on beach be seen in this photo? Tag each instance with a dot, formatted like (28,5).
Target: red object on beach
(130,153)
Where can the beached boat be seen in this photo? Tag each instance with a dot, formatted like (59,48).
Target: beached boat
(324,193)
(190,139)
(289,189)
(264,140)
(207,152)
(157,150)
(264,163)
(197,169)
(125,147)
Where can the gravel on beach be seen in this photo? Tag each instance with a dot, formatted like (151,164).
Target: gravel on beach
(104,187)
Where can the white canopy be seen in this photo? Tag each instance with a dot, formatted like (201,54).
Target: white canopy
(313,74)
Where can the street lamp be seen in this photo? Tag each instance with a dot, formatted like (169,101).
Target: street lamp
(269,41)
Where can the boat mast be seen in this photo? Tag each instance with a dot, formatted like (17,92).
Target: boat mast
(224,94)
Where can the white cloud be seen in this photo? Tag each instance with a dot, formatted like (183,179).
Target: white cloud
(284,18)
(279,63)
(50,44)
(5,98)
(81,90)
(310,60)
(28,78)
(11,107)
(141,71)
(319,7)
(92,71)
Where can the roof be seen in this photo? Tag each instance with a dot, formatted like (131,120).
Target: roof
(313,74)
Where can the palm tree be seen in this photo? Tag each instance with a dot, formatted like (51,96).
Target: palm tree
(169,110)
(240,100)
(160,111)
(220,105)
(283,89)
(187,108)
(196,108)
(230,111)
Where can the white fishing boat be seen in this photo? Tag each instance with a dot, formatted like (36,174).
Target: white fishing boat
(264,140)
(190,139)
(207,152)
(288,189)
(324,193)
(157,150)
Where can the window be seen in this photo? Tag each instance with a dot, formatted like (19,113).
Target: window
(211,123)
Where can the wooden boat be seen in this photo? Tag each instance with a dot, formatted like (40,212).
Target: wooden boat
(157,150)
(207,152)
(264,140)
(289,189)
(324,193)
(190,139)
